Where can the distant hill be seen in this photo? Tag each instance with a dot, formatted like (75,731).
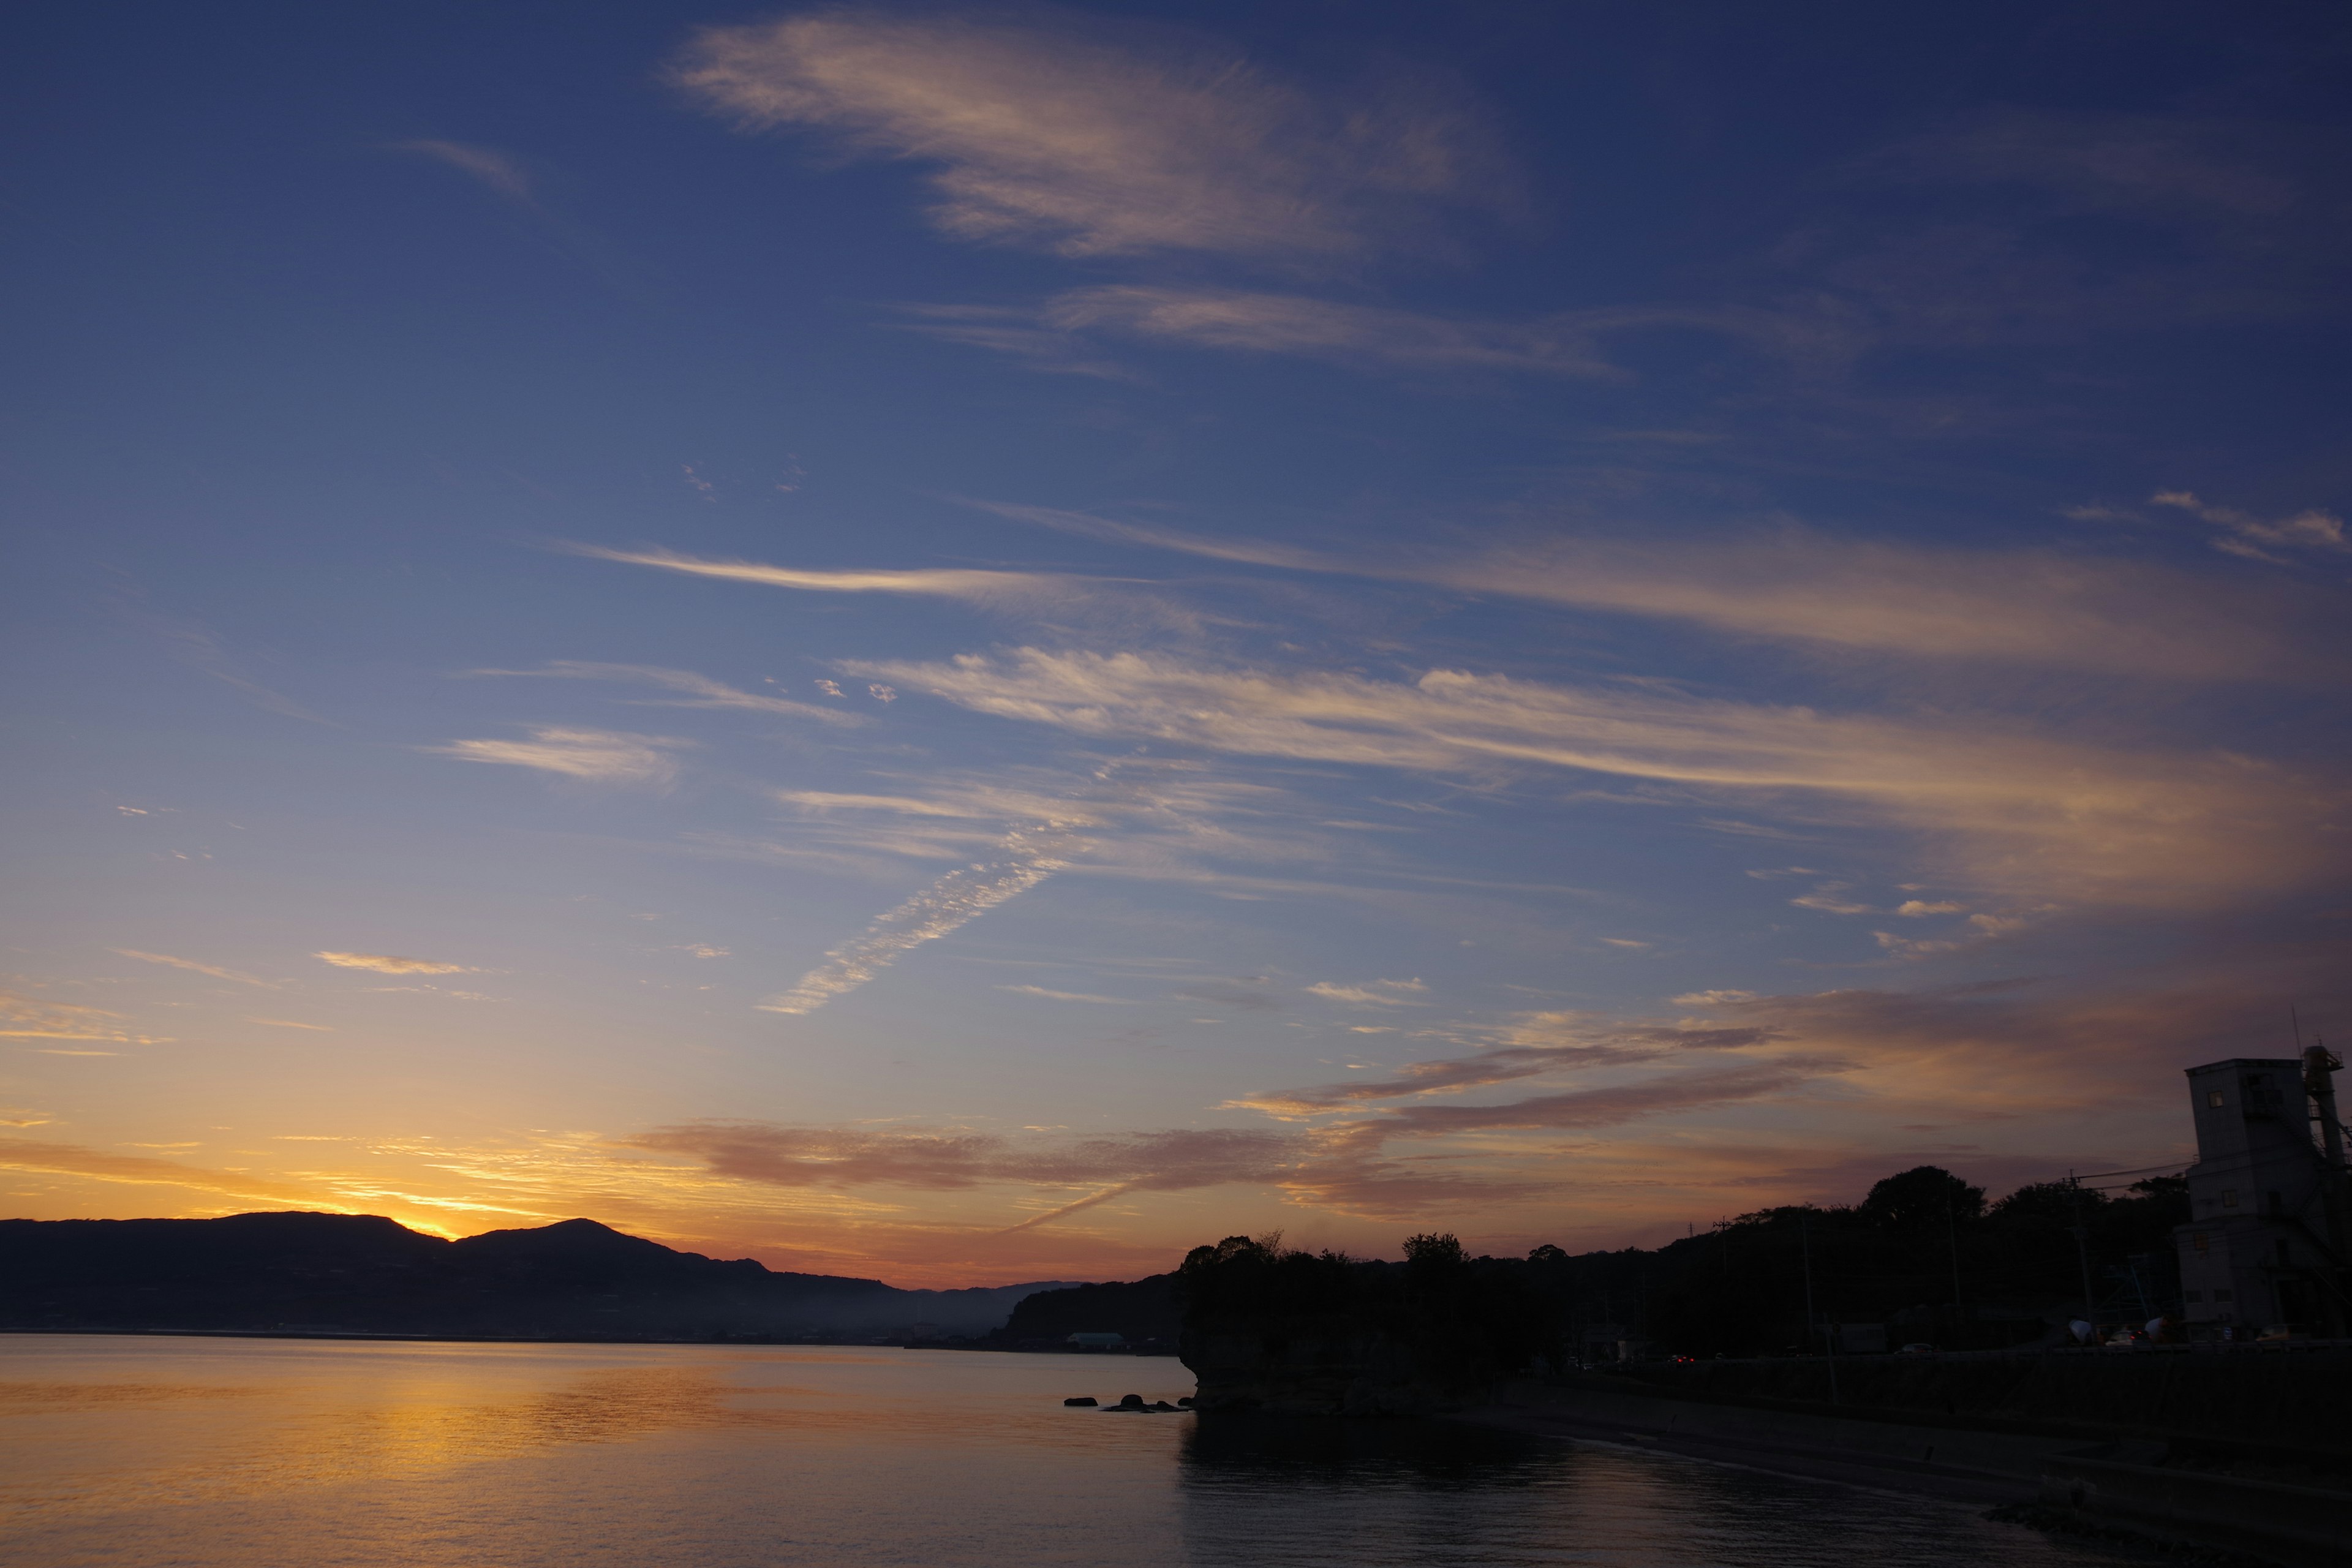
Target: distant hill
(365,1273)
(1144,1312)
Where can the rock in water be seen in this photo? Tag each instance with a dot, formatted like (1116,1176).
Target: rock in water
(1081,1399)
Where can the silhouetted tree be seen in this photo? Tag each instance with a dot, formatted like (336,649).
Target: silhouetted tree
(1922,1197)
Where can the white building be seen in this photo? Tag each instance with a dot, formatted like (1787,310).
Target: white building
(2267,1240)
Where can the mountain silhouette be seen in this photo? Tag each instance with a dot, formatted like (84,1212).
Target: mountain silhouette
(368,1274)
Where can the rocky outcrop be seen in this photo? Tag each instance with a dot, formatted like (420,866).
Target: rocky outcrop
(1319,1373)
(1299,1334)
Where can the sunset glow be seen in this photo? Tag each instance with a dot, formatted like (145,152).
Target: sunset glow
(968,645)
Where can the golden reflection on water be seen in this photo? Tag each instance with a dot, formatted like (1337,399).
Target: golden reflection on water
(189,1453)
(318,1415)
(18,1396)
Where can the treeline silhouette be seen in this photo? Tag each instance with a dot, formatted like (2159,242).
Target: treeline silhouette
(1923,1253)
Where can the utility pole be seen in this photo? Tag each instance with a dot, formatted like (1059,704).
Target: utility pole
(2083,1256)
(1952,1235)
(1829,1336)
(2319,1066)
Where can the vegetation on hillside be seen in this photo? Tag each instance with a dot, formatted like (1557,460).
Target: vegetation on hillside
(1923,1250)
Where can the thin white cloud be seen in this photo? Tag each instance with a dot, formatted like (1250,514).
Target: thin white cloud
(199,648)
(992,589)
(389,963)
(1024,857)
(1041,991)
(74,1160)
(1797,585)
(597,756)
(1310,328)
(2242,533)
(193,967)
(1064,140)
(1251,552)
(1061,334)
(693,690)
(496,170)
(291,1023)
(1014,330)
(961,896)
(900,805)
(2038,816)
(24,1018)
(1829,899)
(1372,992)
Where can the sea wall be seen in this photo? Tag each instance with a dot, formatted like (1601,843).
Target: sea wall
(2273,1398)
(2253,1501)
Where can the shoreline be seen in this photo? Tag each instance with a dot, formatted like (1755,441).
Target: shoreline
(2115,1487)
(388,1337)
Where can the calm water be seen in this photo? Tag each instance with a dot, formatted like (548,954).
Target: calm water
(252,1453)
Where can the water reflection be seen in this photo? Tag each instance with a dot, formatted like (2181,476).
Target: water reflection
(191,1454)
(1256,1452)
(1438,1494)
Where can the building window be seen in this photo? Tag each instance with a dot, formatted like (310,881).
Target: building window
(2194,1296)
(2286,1254)
(2229,1197)
(2199,1240)
(2216,1098)
(2277,1205)
(2220,1295)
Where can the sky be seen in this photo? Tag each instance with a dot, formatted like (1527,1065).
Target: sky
(969,645)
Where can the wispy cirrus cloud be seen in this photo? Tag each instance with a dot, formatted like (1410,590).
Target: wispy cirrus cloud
(1026,859)
(692,690)
(2242,533)
(1049,995)
(201,649)
(1054,833)
(76,1160)
(1380,337)
(499,172)
(1372,992)
(1309,327)
(593,756)
(389,963)
(1015,593)
(1806,588)
(1068,139)
(934,583)
(1590,1108)
(1534,1045)
(1342,1168)
(193,967)
(2175,166)
(24,1018)
(1972,1048)
(2010,808)
(1177,1160)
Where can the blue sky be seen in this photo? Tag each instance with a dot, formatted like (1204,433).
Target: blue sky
(976,644)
